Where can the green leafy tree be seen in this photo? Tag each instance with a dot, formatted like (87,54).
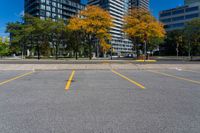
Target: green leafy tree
(192,36)
(4,47)
(34,31)
(58,31)
(20,36)
(176,37)
(154,43)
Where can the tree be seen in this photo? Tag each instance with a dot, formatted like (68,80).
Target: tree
(20,34)
(4,47)
(16,35)
(57,29)
(34,31)
(154,43)
(95,23)
(42,30)
(76,34)
(192,35)
(176,37)
(104,46)
(141,27)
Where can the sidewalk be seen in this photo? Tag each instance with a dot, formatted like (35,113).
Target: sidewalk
(105,66)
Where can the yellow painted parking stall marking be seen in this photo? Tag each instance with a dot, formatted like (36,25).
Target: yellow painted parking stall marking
(128,79)
(180,78)
(15,78)
(70,80)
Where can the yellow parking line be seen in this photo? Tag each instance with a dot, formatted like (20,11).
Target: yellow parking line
(14,78)
(128,79)
(151,61)
(105,62)
(180,78)
(69,81)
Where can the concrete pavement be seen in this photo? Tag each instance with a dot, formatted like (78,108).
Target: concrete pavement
(102,66)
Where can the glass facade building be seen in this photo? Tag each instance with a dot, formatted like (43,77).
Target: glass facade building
(55,9)
(176,18)
(117,9)
(188,2)
(139,3)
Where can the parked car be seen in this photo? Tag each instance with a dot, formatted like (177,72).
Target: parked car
(130,56)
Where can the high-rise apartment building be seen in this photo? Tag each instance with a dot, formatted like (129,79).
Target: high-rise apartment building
(54,9)
(187,2)
(176,18)
(144,4)
(117,9)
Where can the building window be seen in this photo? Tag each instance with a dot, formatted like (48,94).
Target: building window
(42,13)
(48,8)
(54,4)
(166,20)
(178,18)
(47,2)
(192,16)
(165,14)
(59,11)
(48,14)
(178,12)
(178,25)
(196,8)
(54,15)
(59,5)
(42,1)
(53,9)
(42,7)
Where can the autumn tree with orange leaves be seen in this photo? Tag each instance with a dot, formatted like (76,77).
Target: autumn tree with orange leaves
(141,27)
(94,23)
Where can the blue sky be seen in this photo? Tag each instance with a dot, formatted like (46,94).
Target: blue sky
(10,10)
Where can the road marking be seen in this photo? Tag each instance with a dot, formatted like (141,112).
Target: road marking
(105,62)
(151,61)
(180,78)
(191,71)
(14,78)
(130,80)
(70,80)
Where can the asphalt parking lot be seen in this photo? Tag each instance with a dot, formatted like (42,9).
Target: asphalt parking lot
(100,101)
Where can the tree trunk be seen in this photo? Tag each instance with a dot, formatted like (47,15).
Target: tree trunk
(38,51)
(90,48)
(145,49)
(56,51)
(76,54)
(134,41)
(137,51)
(189,50)
(90,51)
(177,50)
